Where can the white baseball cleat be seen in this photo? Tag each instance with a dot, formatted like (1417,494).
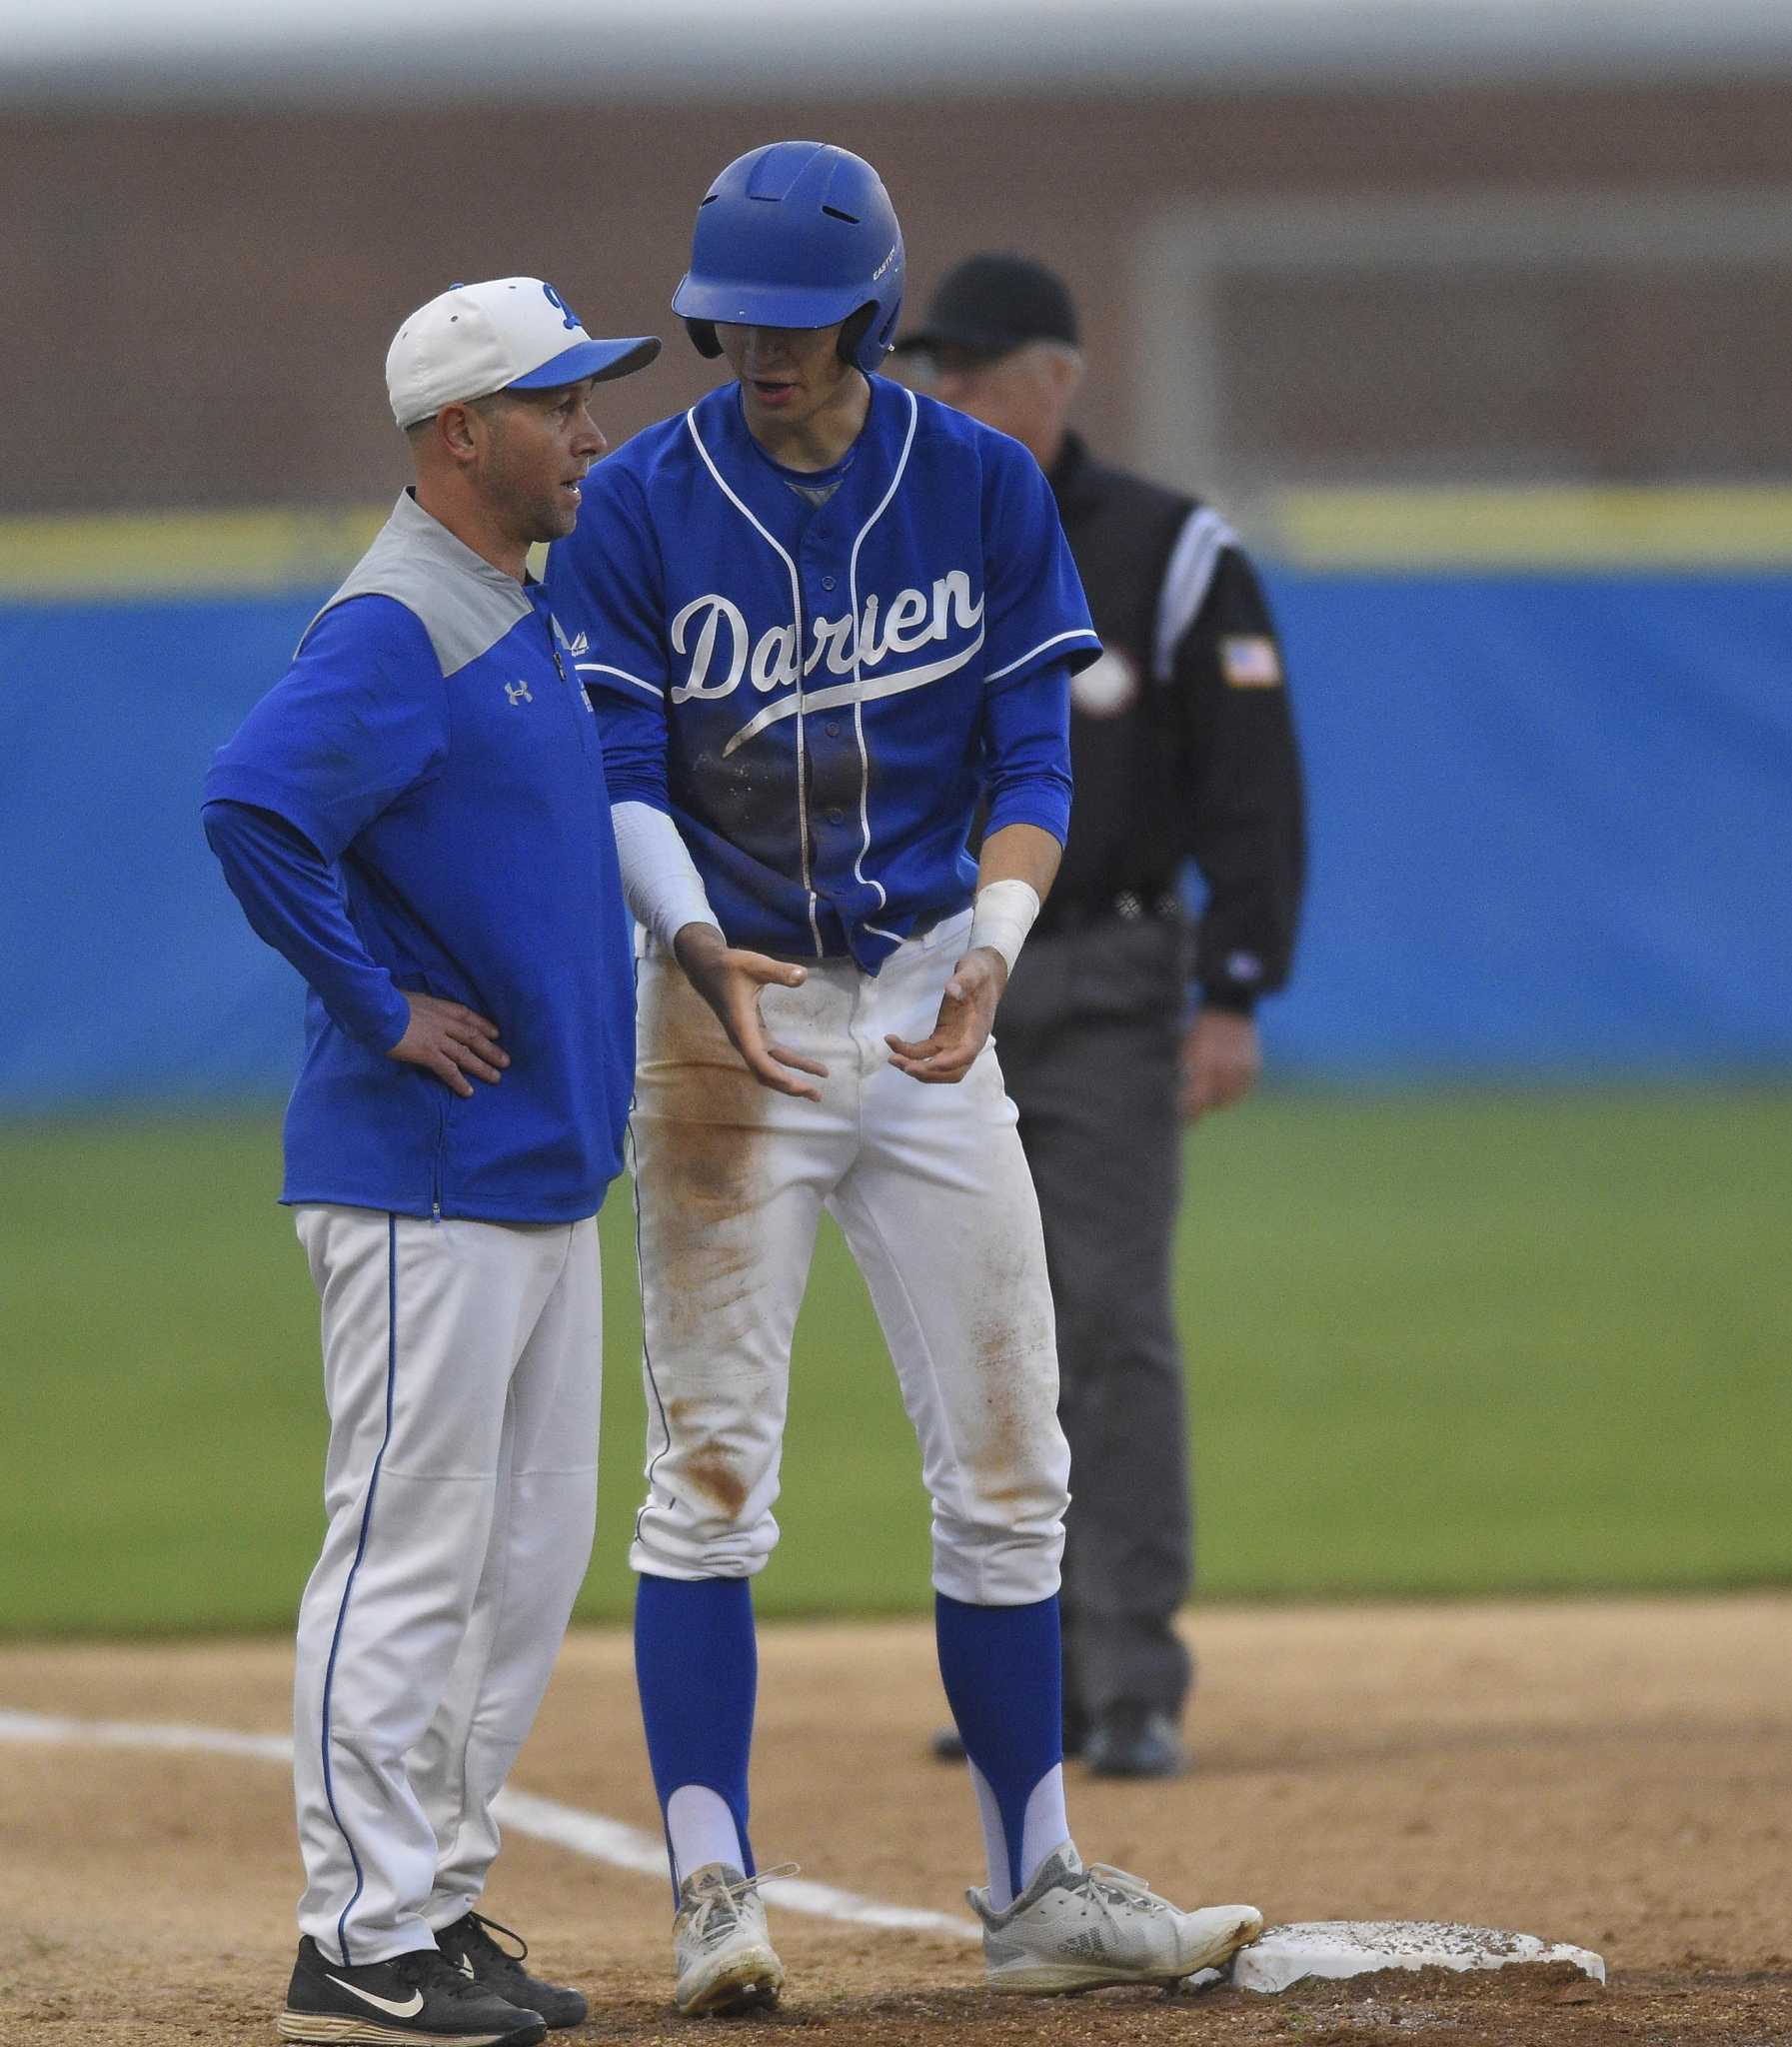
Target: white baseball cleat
(1078,1929)
(723,1952)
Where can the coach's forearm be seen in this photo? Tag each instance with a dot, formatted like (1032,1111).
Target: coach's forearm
(294,902)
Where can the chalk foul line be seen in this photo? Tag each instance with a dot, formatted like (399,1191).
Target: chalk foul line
(590,1834)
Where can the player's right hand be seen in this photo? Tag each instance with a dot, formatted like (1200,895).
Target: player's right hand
(451,1041)
(729,979)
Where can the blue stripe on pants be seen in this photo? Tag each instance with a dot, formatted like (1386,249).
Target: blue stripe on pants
(366,1516)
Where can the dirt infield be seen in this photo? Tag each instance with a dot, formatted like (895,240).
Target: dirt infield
(1617,1774)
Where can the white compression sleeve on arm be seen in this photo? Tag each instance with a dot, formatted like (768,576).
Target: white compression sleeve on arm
(1003,917)
(661,883)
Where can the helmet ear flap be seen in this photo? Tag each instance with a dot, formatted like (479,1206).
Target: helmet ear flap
(852,332)
(703,337)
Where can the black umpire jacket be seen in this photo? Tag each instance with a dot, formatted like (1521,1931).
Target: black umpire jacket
(1181,741)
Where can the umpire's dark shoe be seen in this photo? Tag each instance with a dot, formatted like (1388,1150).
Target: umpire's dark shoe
(1133,1742)
(468,1943)
(415,1996)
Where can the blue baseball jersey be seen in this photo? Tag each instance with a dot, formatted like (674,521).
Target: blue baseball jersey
(820,694)
(441,762)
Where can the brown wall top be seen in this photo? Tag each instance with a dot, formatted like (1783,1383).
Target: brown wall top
(197,306)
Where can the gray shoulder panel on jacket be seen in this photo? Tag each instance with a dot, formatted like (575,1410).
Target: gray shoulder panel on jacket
(464,603)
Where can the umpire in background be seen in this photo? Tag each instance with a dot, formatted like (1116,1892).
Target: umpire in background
(1182,746)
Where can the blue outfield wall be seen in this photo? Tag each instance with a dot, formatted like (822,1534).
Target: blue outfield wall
(1552,834)
(1553,823)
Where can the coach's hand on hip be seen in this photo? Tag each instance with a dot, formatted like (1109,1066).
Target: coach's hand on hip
(451,1041)
(729,979)
(962,1026)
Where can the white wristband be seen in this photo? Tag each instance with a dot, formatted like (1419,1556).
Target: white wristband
(661,883)
(1003,917)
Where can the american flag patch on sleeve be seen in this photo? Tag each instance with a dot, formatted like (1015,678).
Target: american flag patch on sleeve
(1249,661)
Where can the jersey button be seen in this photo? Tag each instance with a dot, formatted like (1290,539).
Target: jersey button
(827,582)
(832,728)
(836,817)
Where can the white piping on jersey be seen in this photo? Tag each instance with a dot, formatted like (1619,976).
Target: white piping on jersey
(1187,577)
(836,694)
(1079,633)
(599,668)
(795,701)
(865,766)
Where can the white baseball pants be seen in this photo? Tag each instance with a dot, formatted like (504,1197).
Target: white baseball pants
(462,1370)
(929,1184)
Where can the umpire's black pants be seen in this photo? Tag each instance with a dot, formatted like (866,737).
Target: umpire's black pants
(1088,1036)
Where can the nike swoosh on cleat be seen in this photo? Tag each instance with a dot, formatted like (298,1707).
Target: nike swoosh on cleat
(385,2004)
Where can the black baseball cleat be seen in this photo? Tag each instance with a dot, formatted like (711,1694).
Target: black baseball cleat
(1133,1742)
(469,1945)
(420,1996)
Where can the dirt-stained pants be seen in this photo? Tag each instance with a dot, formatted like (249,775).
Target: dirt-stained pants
(931,1189)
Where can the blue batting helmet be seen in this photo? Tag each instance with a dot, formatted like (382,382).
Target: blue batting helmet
(797,234)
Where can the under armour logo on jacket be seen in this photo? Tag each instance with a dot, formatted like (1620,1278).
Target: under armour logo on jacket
(518,692)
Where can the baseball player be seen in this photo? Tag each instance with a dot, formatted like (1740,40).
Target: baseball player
(824,616)
(417,818)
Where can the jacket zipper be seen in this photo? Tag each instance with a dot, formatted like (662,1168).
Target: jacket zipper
(436,1162)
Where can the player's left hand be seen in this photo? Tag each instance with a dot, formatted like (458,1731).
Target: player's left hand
(961,1030)
(1222,1060)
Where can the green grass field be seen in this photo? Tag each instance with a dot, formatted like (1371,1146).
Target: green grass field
(1440,1344)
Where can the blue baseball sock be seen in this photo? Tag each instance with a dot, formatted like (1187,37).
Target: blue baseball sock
(697,1667)
(1002,1671)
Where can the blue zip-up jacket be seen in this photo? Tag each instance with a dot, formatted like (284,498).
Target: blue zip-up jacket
(420,805)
